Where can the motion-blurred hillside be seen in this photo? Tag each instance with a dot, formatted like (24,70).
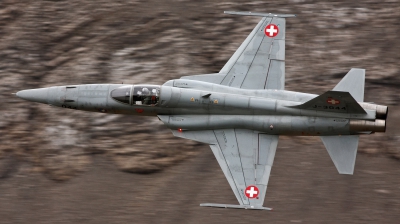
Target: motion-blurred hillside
(46,43)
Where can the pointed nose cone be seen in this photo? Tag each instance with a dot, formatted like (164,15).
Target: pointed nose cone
(34,95)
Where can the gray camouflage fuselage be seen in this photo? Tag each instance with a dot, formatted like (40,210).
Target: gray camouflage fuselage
(197,105)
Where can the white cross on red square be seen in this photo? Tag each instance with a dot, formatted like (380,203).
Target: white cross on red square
(333,101)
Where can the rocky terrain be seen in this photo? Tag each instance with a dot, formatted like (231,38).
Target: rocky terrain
(76,154)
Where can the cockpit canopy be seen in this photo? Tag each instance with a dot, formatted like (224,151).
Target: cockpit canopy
(147,95)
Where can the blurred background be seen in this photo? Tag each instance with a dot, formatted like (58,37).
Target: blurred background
(66,166)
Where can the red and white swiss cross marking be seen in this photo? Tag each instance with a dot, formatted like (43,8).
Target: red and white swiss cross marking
(271,30)
(251,191)
(332,101)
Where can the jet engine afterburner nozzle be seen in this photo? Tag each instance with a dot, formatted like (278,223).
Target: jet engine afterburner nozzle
(365,126)
(381,111)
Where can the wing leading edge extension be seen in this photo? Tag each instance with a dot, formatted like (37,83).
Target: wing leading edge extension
(259,63)
(245,157)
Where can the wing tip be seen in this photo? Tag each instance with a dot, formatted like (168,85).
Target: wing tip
(262,14)
(235,206)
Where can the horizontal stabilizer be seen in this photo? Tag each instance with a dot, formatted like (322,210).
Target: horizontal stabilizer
(333,101)
(354,83)
(343,151)
(235,206)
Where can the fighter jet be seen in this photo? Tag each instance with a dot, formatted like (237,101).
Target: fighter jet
(241,111)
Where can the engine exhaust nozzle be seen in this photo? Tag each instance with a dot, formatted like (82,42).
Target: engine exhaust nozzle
(381,111)
(365,126)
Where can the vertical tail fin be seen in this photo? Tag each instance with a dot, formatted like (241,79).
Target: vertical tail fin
(354,83)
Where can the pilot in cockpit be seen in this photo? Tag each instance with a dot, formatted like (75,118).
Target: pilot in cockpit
(146,96)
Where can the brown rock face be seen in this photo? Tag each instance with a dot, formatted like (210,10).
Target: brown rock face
(46,43)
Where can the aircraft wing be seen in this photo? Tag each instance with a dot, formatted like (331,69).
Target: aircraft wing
(259,63)
(245,157)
